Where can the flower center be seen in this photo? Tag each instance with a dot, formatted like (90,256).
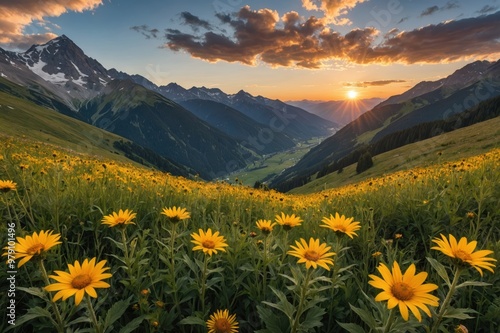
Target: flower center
(222,325)
(81,281)
(120,220)
(462,255)
(174,218)
(311,255)
(341,228)
(402,291)
(208,244)
(35,249)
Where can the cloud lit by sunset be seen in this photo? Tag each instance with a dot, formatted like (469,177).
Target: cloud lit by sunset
(301,49)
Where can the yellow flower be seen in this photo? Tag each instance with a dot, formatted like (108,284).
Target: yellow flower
(208,242)
(405,290)
(464,252)
(266,226)
(341,224)
(221,322)
(120,219)
(7,185)
(176,214)
(34,246)
(288,221)
(81,279)
(312,254)
(376,254)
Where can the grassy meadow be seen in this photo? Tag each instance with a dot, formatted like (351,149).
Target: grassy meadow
(158,283)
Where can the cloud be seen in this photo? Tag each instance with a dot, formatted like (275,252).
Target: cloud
(16,15)
(293,41)
(194,21)
(372,83)
(146,31)
(487,9)
(431,10)
(332,9)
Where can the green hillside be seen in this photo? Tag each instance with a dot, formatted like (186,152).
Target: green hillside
(21,118)
(462,143)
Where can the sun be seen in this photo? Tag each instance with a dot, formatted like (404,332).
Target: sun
(352,94)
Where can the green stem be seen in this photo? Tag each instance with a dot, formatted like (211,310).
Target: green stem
(284,247)
(172,236)
(390,321)
(204,284)
(447,300)
(124,241)
(93,317)
(265,268)
(60,322)
(303,294)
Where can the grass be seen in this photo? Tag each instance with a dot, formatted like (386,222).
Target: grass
(272,164)
(23,119)
(159,283)
(462,143)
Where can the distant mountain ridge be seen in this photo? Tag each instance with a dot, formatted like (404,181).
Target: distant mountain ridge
(340,112)
(59,76)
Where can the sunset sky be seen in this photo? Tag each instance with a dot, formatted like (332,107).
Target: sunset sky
(291,50)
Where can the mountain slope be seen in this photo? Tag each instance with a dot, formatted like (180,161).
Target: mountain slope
(20,117)
(453,96)
(238,126)
(152,121)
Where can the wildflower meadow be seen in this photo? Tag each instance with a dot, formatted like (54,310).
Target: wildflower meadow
(94,245)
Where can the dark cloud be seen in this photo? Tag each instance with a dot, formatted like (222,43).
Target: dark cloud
(403,19)
(372,83)
(487,9)
(194,21)
(429,11)
(146,31)
(294,41)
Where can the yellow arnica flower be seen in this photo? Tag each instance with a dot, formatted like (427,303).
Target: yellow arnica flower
(81,279)
(7,185)
(341,224)
(288,221)
(120,219)
(207,242)
(34,245)
(405,290)
(464,252)
(313,254)
(266,226)
(221,322)
(176,214)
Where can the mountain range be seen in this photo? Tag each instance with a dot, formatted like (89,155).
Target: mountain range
(448,100)
(206,132)
(211,133)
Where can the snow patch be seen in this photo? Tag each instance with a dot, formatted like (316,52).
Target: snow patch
(57,78)
(3,75)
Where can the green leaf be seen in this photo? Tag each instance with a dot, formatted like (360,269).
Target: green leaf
(352,328)
(38,292)
(458,313)
(132,325)
(274,322)
(192,320)
(33,313)
(115,312)
(313,318)
(366,316)
(283,305)
(473,283)
(79,320)
(439,268)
